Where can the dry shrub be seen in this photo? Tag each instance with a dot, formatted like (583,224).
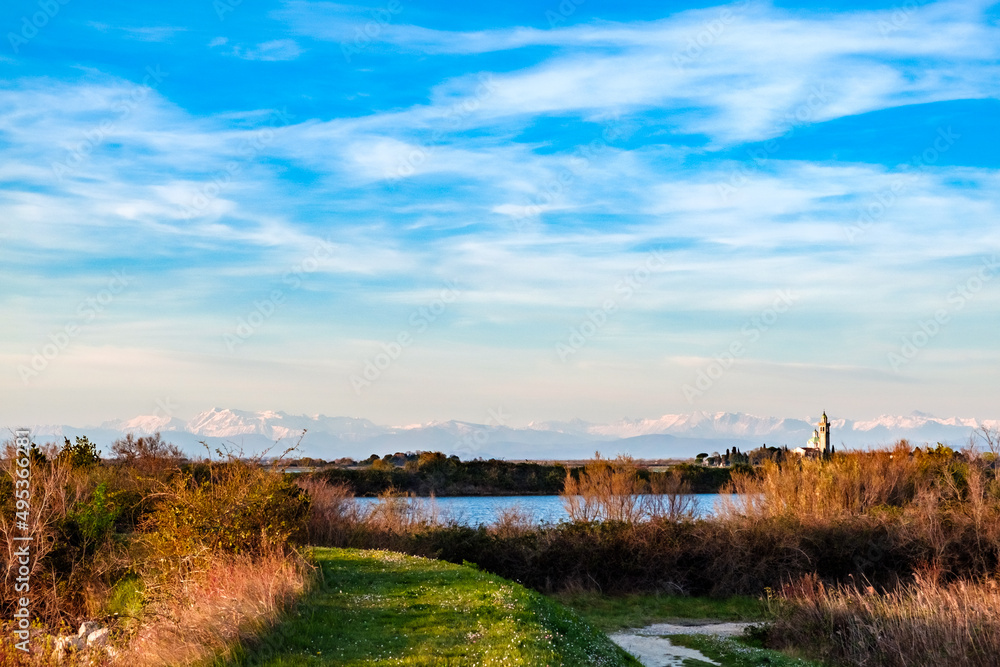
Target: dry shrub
(399,513)
(212,547)
(924,623)
(815,489)
(217,560)
(333,514)
(512,522)
(393,521)
(49,503)
(75,554)
(147,454)
(237,507)
(670,498)
(612,490)
(605,490)
(205,613)
(875,515)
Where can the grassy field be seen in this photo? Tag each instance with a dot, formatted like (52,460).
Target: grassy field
(733,653)
(613,613)
(376,608)
(635,611)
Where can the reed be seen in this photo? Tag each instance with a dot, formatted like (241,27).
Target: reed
(925,622)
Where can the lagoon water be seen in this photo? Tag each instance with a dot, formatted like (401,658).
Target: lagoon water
(475,510)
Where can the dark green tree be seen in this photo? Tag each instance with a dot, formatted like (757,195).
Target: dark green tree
(80,453)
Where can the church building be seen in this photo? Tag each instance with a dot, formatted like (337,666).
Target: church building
(819,444)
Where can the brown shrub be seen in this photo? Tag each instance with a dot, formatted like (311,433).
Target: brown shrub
(333,515)
(76,555)
(148,454)
(605,490)
(923,623)
(669,498)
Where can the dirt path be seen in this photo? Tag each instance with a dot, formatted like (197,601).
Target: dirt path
(653,649)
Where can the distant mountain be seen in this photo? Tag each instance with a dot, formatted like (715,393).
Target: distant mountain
(668,436)
(220,423)
(698,425)
(145,425)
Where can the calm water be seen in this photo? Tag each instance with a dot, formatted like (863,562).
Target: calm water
(474,510)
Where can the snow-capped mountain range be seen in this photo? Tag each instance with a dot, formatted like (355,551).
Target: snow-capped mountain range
(668,436)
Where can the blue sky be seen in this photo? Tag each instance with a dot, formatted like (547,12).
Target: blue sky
(589,210)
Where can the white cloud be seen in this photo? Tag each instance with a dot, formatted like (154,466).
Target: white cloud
(275,50)
(140,33)
(411,197)
(762,68)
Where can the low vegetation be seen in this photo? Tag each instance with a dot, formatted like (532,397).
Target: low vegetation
(618,612)
(383,608)
(868,522)
(733,652)
(923,622)
(179,560)
(433,473)
(882,557)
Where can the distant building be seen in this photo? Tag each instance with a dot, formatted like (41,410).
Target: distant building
(819,444)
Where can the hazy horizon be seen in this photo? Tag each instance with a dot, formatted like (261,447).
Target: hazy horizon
(331,437)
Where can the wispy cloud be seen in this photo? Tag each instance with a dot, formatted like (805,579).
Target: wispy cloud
(277,49)
(535,167)
(140,33)
(747,83)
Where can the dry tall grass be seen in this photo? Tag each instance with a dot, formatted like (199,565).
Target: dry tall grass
(942,506)
(335,519)
(814,489)
(400,514)
(924,623)
(205,613)
(333,514)
(605,490)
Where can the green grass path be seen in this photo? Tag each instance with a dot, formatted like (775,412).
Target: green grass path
(379,608)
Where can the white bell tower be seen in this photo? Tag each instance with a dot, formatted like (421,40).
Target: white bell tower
(824,434)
